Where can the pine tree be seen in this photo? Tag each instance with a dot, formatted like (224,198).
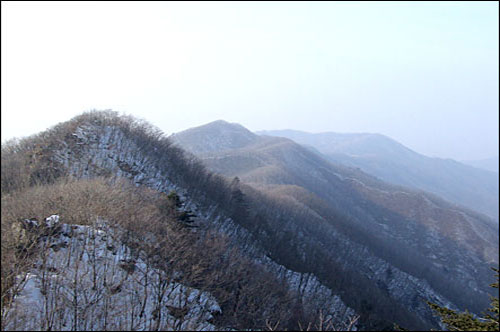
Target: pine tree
(456,321)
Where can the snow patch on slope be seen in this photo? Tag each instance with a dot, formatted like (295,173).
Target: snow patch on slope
(85,278)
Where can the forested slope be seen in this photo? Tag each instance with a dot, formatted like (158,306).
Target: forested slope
(282,255)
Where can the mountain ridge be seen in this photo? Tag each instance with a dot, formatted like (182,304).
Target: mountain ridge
(489,164)
(219,161)
(393,162)
(230,135)
(300,239)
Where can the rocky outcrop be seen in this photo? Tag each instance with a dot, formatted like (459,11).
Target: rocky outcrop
(85,278)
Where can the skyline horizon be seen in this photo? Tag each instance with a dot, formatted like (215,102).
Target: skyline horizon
(424,74)
(168,134)
(257,132)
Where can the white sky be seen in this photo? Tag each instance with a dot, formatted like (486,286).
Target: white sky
(425,74)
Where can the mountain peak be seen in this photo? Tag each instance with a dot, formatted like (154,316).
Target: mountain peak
(224,125)
(215,136)
(218,122)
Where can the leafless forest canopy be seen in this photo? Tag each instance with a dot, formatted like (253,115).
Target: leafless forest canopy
(291,226)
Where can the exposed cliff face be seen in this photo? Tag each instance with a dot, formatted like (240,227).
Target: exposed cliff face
(401,286)
(90,278)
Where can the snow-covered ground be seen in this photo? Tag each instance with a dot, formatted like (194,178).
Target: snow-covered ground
(84,278)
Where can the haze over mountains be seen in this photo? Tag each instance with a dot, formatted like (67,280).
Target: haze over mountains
(417,223)
(115,219)
(392,162)
(265,228)
(279,164)
(489,164)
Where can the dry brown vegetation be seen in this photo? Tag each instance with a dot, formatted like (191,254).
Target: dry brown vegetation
(280,223)
(205,259)
(248,294)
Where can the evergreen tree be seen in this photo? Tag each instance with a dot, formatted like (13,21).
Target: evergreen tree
(456,321)
(175,199)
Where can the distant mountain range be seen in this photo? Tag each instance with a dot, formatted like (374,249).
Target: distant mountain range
(489,164)
(390,161)
(415,231)
(254,231)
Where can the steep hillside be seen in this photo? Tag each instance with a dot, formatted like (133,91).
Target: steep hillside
(91,264)
(413,232)
(122,253)
(392,162)
(213,250)
(276,252)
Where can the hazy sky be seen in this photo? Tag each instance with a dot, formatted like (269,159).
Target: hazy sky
(425,74)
